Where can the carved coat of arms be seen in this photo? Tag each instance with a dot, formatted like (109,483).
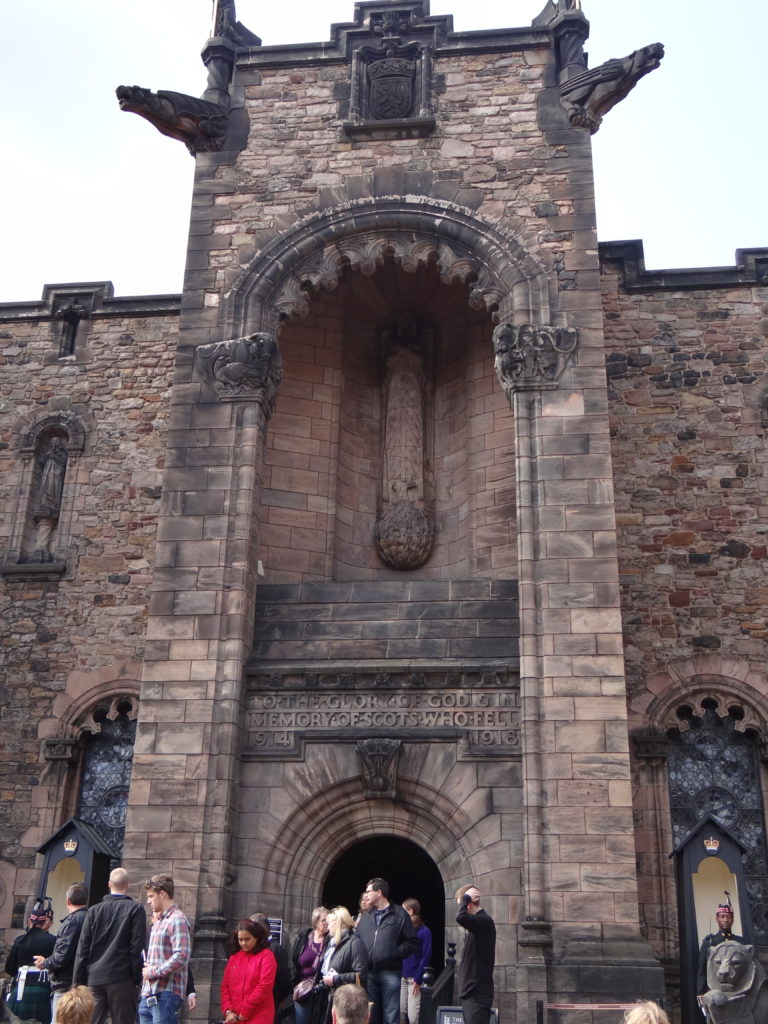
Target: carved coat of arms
(391,87)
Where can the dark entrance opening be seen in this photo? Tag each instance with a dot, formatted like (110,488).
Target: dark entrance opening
(408,869)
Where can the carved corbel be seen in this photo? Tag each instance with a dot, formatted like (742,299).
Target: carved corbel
(530,357)
(59,748)
(243,369)
(378,765)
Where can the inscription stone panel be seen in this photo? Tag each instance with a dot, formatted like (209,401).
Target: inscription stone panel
(484,720)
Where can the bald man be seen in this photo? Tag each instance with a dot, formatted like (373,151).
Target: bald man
(108,956)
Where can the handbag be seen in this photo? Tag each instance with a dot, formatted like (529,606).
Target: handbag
(303,990)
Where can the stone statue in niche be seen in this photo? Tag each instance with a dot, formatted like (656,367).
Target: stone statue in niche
(738,988)
(48,505)
(404,532)
(530,356)
(378,764)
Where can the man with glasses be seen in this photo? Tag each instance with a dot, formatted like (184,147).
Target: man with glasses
(389,937)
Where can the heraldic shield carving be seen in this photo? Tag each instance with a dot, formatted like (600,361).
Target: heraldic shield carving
(391,83)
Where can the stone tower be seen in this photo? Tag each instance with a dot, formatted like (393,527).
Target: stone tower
(384,618)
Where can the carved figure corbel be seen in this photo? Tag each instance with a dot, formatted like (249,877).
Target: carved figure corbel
(378,765)
(529,356)
(588,97)
(247,368)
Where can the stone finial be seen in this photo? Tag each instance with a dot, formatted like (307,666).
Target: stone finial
(247,369)
(378,764)
(588,97)
(529,357)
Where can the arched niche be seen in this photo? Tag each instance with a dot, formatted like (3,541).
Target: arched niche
(317,249)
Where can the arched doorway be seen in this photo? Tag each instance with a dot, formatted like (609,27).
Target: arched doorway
(409,870)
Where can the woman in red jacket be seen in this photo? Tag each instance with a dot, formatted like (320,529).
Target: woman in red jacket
(246,991)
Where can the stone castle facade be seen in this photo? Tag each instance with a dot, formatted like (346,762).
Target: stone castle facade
(420,535)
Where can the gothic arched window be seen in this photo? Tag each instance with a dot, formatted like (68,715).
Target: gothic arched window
(105,774)
(714,769)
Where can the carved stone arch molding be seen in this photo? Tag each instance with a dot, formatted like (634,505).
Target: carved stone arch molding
(317,831)
(358,233)
(728,683)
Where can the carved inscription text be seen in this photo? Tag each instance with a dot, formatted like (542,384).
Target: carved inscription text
(487,723)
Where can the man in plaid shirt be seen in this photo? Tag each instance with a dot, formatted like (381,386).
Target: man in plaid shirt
(165,970)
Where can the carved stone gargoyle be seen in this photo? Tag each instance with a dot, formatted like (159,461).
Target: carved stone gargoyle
(199,124)
(737,986)
(589,96)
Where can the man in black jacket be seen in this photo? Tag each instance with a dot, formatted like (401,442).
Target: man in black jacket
(109,953)
(475,973)
(61,962)
(389,937)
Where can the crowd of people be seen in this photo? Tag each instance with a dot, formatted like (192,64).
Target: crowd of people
(341,970)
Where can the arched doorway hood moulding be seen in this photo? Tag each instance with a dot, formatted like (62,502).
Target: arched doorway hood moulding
(314,252)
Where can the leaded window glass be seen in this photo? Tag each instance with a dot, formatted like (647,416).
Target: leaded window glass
(106,777)
(715,770)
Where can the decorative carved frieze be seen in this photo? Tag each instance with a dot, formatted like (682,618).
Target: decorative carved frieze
(243,369)
(529,356)
(378,766)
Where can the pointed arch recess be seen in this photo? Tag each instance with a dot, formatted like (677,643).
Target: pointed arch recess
(314,252)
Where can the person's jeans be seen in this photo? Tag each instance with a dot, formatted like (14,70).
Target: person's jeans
(165,1010)
(302,1012)
(384,990)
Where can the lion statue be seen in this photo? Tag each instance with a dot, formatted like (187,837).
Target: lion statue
(738,987)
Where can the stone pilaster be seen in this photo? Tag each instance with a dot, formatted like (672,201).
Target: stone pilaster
(199,631)
(580,935)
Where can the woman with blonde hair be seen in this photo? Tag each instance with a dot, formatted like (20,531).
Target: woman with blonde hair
(75,1006)
(345,962)
(646,1013)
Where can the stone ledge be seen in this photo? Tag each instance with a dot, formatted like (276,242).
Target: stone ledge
(392,128)
(20,572)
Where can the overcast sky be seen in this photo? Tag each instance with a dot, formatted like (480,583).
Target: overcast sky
(88,193)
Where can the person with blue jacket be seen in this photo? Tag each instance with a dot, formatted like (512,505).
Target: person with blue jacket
(413,966)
